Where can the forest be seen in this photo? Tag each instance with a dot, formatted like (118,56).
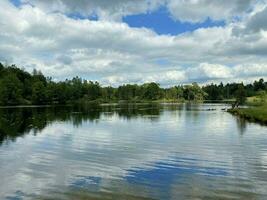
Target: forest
(19,87)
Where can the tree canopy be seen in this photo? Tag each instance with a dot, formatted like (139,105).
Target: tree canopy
(20,87)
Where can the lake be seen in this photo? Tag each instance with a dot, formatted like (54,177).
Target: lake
(144,151)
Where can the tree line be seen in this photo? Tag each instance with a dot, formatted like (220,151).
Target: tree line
(19,87)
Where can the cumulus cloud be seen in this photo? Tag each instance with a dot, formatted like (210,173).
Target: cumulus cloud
(106,10)
(114,53)
(184,10)
(166,78)
(258,21)
(255,23)
(208,72)
(199,10)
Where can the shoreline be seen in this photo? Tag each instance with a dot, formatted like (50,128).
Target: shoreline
(103,103)
(256,114)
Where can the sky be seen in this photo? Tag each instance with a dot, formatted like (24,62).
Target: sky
(136,41)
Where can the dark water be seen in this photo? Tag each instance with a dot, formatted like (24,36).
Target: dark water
(131,152)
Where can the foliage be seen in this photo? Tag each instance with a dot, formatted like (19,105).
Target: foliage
(20,87)
(230,90)
(194,92)
(240,94)
(255,114)
(10,90)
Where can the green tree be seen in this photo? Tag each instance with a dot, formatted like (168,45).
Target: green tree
(38,93)
(151,91)
(10,90)
(173,93)
(240,95)
(259,85)
(194,92)
(1,69)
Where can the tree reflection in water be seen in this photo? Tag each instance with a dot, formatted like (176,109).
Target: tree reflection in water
(16,122)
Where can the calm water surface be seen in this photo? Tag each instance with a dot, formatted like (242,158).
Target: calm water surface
(131,152)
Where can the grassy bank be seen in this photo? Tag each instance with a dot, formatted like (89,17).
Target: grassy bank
(256,112)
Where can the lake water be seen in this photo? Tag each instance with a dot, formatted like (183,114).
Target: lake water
(131,152)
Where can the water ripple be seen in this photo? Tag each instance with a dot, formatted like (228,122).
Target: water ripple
(164,152)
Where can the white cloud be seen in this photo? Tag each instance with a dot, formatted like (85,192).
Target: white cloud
(112,52)
(165,78)
(207,72)
(184,10)
(255,22)
(106,10)
(199,10)
(250,70)
(210,71)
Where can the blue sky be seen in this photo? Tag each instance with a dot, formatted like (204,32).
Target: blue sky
(161,22)
(16,2)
